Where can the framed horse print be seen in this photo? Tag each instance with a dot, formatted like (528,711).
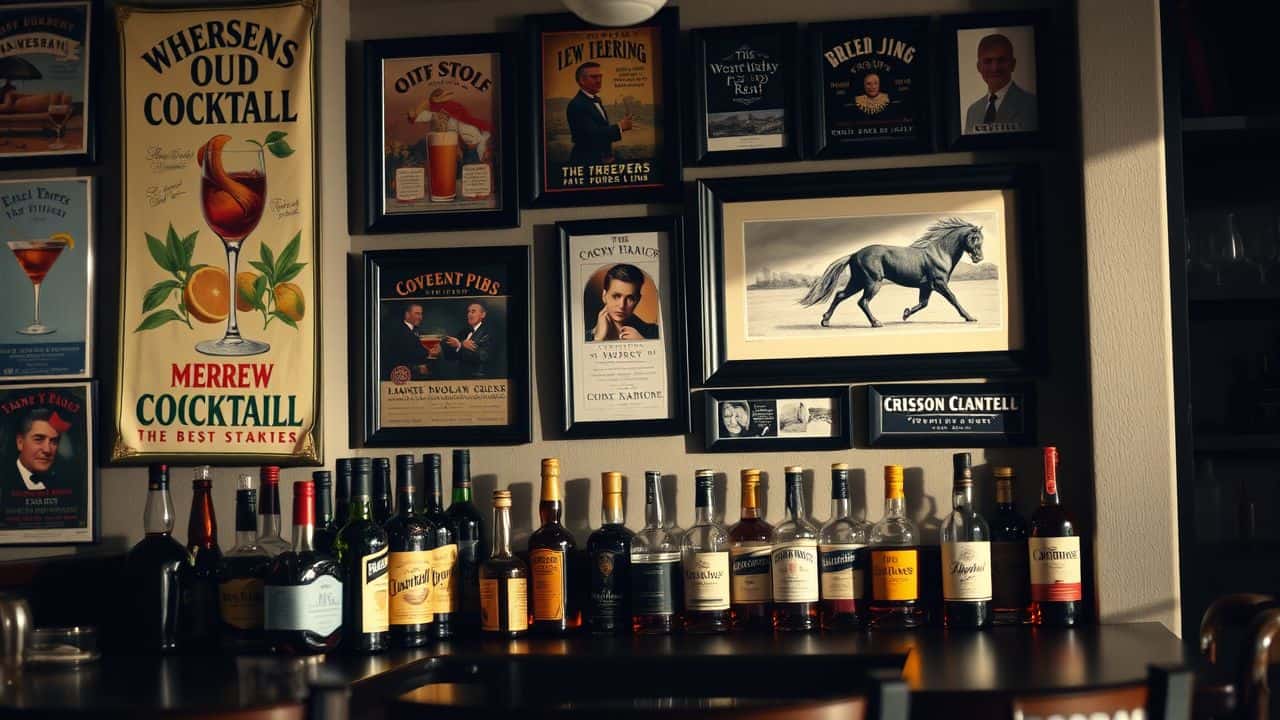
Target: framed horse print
(857,276)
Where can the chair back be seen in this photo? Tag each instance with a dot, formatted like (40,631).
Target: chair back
(1166,695)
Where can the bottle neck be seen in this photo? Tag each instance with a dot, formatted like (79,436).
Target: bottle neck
(501,532)
(361,508)
(324,506)
(304,538)
(895,506)
(202,527)
(405,500)
(750,501)
(435,493)
(1004,494)
(157,517)
(269,511)
(653,510)
(461,478)
(246,519)
(795,501)
(962,497)
(461,493)
(1049,491)
(840,508)
(704,508)
(611,512)
(550,511)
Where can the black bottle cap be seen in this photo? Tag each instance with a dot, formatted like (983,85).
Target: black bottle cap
(361,484)
(404,471)
(158,476)
(462,468)
(431,461)
(839,481)
(343,466)
(961,462)
(246,510)
(322,478)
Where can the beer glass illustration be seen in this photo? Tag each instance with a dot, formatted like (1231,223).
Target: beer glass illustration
(442,158)
(36,257)
(59,114)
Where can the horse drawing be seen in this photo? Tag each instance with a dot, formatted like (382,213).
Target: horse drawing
(926,264)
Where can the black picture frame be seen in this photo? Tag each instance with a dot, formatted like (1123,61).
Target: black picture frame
(833,49)
(370,134)
(428,270)
(676,369)
(786,38)
(767,402)
(952,114)
(938,423)
(666,186)
(713,366)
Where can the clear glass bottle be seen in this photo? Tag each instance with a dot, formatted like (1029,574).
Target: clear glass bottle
(704,553)
(657,585)
(794,562)
(966,555)
(895,561)
(609,552)
(240,577)
(302,594)
(552,571)
(504,580)
(269,524)
(153,573)
(842,546)
(409,570)
(1056,594)
(749,538)
(1010,559)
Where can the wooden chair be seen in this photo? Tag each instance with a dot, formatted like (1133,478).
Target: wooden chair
(1233,681)
(1166,695)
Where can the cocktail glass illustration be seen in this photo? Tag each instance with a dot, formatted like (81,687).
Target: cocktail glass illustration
(59,114)
(36,257)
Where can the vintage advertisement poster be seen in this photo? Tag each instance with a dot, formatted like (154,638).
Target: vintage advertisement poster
(46,225)
(44,79)
(46,464)
(746,94)
(619,323)
(219,353)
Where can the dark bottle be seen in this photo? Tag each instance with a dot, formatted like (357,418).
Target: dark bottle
(302,597)
(895,562)
(842,551)
(153,574)
(326,529)
(504,581)
(409,564)
(341,494)
(793,562)
(1054,552)
(445,553)
(966,555)
(1010,559)
(704,560)
(472,544)
(241,575)
(752,587)
(200,601)
(362,552)
(550,549)
(657,583)
(381,498)
(270,524)
(609,552)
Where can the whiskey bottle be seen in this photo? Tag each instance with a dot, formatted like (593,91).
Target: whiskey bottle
(504,601)
(793,562)
(445,553)
(241,575)
(966,555)
(200,601)
(704,553)
(362,552)
(550,548)
(749,542)
(269,523)
(380,500)
(1056,595)
(895,561)
(609,552)
(842,551)
(408,565)
(302,595)
(341,493)
(468,528)
(657,585)
(326,529)
(153,574)
(1010,558)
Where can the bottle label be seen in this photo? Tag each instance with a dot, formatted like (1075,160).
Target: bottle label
(706,581)
(315,607)
(1010,574)
(609,572)
(373,592)
(966,571)
(409,580)
(240,603)
(894,574)
(795,571)
(655,583)
(842,574)
(547,567)
(1055,569)
(751,582)
(517,605)
(444,580)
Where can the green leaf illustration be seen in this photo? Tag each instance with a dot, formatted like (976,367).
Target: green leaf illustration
(280,149)
(158,293)
(156,319)
(291,272)
(284,319)
(268,258)
(159,253)
(275,136)
(173,245)
(189,249)
(288,256)
(259,288)
(260,266)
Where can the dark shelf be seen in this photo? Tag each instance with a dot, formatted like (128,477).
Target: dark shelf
(1230,123)
(1233,293)
(1219,441)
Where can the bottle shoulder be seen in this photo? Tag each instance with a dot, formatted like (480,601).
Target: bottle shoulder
(846,531)
(794,530)
(364,534)
(655,540)
(552,535)
(610,537)
(748,529)
(705,538)
(158,548)
(894,531)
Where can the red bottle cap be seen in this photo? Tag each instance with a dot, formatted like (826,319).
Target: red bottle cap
(271,474)
(304,502)
(1051,470)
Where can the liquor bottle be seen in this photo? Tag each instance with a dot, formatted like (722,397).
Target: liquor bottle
(966,555)
(445,552)
(326,530)
(269,525)
(341,494)
(200,602)
(381,497)
(609,552)
(749,539)
(409,564)
(1010,558)
(657,585)
(704,560)
(153,574)
(472,544)
(302,595)
(550,548)
(362,552)
(1054,550)
(793,562)
(504,580)
(895,561)
(842,546)
(241,575)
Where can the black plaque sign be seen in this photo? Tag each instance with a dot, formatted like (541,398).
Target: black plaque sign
(950,415)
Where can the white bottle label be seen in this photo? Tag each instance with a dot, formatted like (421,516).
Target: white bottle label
(841,577)
(316,606)
(706,581)
(794,566)
(966,571)
(751,582)
(1055,569)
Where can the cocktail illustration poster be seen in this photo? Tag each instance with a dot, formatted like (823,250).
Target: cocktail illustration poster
(45,278)
(218,336)
(44,79)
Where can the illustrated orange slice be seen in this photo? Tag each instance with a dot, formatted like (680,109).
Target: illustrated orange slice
(243,196)
(206,295)
(64,238)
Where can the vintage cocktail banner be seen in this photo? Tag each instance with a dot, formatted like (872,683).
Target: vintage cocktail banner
(218,350)
(44,80)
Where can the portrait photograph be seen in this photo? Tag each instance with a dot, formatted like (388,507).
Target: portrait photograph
(617,299)
(777,419)
(993,83)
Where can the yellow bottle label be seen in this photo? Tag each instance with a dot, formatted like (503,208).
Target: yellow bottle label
(490,619)
(548,584)
(517,604)
(240,603)
(374,614)
(410,584)
(894,574)
(444,579)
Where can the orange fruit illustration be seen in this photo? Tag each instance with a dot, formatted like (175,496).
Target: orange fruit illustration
(244,290)
(242,195)
(206,295)
(289,300)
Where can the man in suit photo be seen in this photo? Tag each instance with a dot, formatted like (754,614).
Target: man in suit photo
(617,320)
(400,345)
(37,438)
(472,348)
(593,135)
(1005,107)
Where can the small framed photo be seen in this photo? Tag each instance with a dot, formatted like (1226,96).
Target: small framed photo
(992,82)
(801,418)
(942,415)
(446,347)
(604,114)
(746,95)
(440,134)
(48,464)
(872,95)
(622,330)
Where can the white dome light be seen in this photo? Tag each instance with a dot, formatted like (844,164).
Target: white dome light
(614,13)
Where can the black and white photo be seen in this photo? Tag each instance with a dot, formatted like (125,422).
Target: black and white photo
(777,419)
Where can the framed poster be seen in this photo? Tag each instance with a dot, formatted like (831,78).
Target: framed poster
(48,288)
(445,354)
(746,94)
(620,286)
(440,133)
(48,469)
(872,95)
(219,339)
(792,419)
(885,274)
(992,79)
(604,115)
(48,54)
(942,415)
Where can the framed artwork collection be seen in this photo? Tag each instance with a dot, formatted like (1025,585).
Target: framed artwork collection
(792,419)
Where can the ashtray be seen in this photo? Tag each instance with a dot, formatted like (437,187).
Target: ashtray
(63,646)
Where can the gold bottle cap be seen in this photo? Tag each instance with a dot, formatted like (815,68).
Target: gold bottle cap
(551,466)
(751,475)
(839,466)
(893,481)
(704,473)
(1002,471)
(502,498)
(551,479)
(794,469)
(612,482)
